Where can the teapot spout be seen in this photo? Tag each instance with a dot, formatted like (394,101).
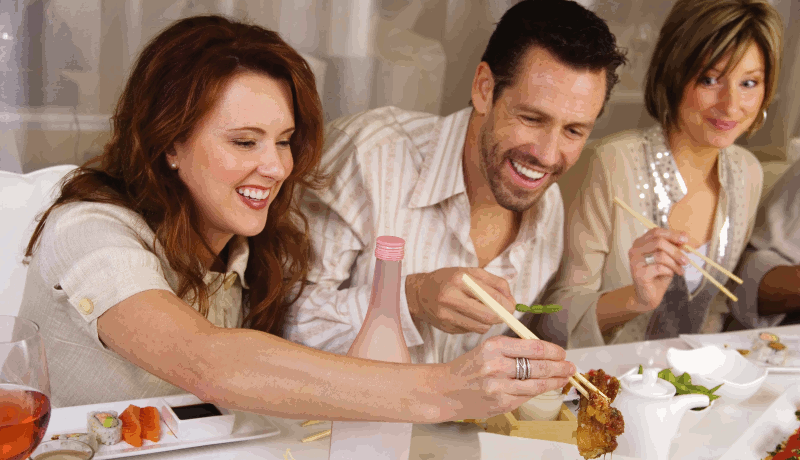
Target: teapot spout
(680,404)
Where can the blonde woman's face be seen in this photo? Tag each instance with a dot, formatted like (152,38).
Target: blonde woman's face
(238,156)
(717,109)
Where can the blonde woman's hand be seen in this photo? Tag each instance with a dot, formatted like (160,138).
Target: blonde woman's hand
(482,382)
(654,259)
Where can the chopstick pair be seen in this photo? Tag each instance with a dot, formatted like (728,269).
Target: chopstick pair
(513,323)
(524,332)
(647,223)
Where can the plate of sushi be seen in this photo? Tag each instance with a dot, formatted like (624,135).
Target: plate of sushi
(778,353)
(144,426)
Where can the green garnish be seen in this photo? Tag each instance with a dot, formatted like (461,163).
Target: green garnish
(538,309)
(108,422)
(683,385)
(797,414)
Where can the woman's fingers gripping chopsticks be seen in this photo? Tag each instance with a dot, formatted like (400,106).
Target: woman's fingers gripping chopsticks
(512,322)
(647,223)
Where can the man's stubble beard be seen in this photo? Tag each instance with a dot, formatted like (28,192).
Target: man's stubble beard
(491,168)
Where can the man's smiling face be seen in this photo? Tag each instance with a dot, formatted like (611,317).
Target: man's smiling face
(537,128)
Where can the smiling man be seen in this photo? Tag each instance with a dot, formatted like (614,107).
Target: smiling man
(471,193)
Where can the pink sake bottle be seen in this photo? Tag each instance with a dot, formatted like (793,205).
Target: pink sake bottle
(381,339)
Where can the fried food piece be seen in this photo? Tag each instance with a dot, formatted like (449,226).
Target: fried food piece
(598,423)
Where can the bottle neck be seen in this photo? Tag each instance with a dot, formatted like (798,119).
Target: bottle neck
(385,297)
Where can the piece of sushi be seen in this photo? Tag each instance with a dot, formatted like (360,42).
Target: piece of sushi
(106,425)
(151,424)
(132,425)
(90,439)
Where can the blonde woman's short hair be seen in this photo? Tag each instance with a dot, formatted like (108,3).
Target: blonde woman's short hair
(696,35)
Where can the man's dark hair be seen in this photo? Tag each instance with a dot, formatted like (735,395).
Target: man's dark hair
(573,34)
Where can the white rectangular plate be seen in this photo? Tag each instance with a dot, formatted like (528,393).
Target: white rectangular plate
(73,420)
(770,429)
(745,340)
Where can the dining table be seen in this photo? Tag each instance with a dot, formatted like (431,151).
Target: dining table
(709,438)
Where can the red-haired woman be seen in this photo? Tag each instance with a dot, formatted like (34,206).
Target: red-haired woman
(144,272)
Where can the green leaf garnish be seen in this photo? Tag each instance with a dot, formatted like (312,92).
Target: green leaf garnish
(538,309)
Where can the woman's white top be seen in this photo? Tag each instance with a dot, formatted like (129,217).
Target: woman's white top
(691,274)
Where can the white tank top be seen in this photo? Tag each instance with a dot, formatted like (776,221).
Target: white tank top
(693,275)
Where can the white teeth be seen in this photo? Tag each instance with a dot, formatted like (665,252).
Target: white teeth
(253,193)
(527,172)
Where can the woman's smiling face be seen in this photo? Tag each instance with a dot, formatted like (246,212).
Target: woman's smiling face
(237,157)
(717,108)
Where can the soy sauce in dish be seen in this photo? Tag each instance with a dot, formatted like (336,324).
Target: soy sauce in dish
(194,411)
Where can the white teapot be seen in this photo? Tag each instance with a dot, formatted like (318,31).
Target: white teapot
(652,414)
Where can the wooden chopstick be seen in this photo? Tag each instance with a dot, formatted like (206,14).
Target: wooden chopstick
(310,422)
(647,223)
(522,331)
(319,435)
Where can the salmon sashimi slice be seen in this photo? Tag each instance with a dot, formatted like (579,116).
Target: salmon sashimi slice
(151,424)
(132,426)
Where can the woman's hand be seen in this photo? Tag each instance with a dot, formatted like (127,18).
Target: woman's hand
(655,258)
(483,383)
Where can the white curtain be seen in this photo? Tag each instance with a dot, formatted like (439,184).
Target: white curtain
(63,62)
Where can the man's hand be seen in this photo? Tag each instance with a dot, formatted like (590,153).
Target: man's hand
(441,299)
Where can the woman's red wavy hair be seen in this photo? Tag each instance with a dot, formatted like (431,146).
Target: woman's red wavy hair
(177,79)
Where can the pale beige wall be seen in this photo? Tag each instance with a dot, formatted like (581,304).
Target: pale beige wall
(105,44)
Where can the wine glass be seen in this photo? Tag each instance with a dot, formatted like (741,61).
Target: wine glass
(24,388)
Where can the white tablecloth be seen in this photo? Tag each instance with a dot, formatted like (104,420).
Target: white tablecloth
(708,439)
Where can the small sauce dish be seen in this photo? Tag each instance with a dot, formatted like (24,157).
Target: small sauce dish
(189,418)
(544,407)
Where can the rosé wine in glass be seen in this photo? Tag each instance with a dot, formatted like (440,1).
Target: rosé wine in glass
(24,388)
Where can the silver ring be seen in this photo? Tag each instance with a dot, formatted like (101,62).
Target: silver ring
(649,259)
(523,369)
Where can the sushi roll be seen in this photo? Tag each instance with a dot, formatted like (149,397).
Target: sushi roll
(768,349)
(106,426)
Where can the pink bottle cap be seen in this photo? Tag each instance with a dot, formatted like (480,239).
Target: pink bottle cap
(389,248)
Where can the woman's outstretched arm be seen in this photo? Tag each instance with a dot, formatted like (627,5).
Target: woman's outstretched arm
(259,372)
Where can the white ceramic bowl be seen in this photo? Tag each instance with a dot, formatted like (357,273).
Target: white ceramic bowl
(709,366)
(544,407)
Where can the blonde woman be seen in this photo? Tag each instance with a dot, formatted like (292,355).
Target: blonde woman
(711,79)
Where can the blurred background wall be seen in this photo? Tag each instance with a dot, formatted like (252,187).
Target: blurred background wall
(63,62)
